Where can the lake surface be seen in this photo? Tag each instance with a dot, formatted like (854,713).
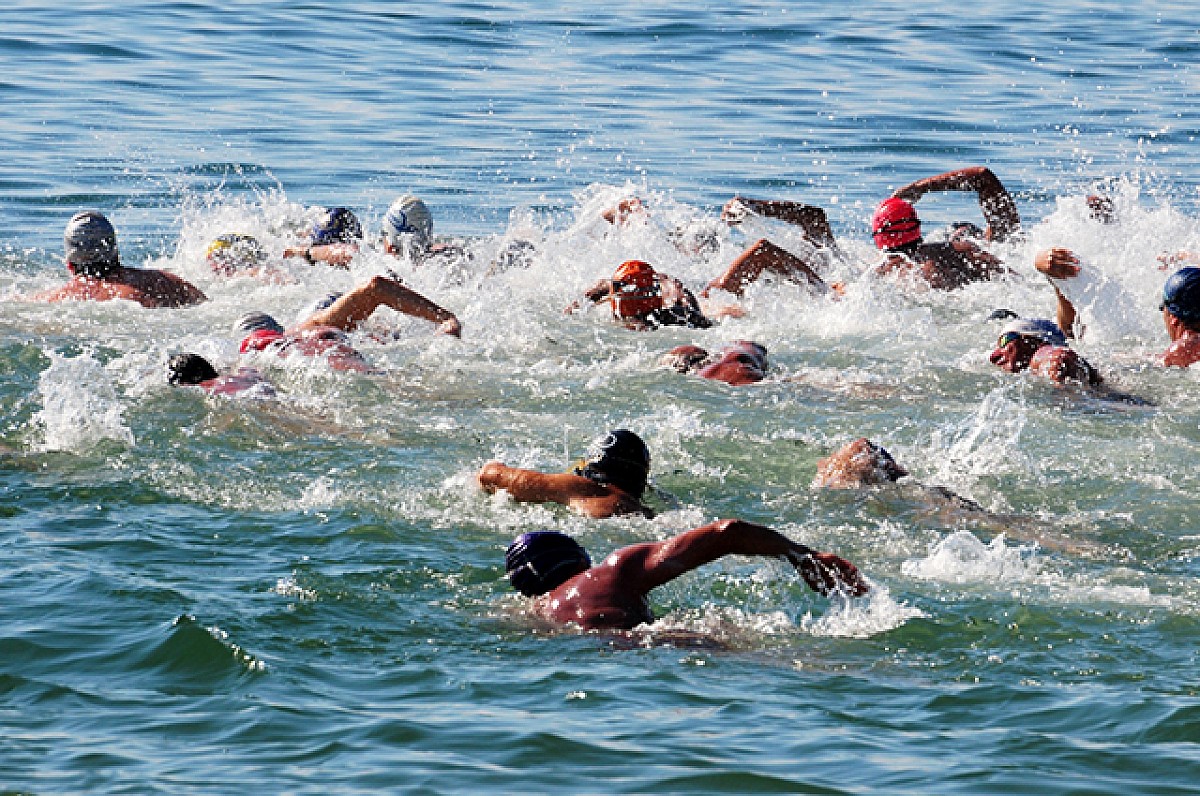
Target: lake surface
(305,594)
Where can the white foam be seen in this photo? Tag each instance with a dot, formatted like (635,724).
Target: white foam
(80,405)
(962,558)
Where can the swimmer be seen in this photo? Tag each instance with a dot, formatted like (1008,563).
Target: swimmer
(334,238)
(765,257)
(856,464)
(1180,306)
(609,482)
(999,209)
(348,310)
(408,232)
(194,370)
(237,254)
(642,298)
(264,334)
(98,275)
(740,363)
(553,568)
(941,266)
(1039,346)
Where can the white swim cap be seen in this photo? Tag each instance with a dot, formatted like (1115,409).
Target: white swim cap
(408,218)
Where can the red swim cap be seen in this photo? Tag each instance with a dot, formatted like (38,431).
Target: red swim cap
(635,290)
(895,223)
(259,339)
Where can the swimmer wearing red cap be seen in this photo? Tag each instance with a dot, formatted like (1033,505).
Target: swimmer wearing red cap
(98,275)
(608,483)
(553,568)
(959,261)
(1180,305)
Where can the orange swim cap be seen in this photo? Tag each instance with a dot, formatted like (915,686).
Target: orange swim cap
(635,290)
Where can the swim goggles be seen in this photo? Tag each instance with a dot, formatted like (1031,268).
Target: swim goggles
(1006,338)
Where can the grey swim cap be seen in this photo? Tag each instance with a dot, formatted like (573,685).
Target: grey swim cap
(256,321)
(408,217)
(91,243)
(1037,328)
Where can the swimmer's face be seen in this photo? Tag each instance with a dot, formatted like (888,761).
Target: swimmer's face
(1013,352)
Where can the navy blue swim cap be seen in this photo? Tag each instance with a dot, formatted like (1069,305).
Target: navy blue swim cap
(619,458)
(1181,294)
(338,225)
(541,561)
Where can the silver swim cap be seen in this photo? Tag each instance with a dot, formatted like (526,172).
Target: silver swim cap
(256,321)
(91,243)
(1037,328)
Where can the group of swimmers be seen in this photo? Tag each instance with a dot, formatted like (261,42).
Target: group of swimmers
(549,565)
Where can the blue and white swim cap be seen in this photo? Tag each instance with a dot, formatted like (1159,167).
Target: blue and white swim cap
(1038,328)
(337,225)
(408,219)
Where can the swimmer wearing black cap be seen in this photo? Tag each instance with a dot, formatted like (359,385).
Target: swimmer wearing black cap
(553,568)
(193,370)
(98,275)
(609,482)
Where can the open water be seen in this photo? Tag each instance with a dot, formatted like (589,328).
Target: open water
(305,594)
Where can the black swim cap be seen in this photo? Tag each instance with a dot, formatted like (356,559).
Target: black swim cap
(185,369)
(619,458)
(541,561)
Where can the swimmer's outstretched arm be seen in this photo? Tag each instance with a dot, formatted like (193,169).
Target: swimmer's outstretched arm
(356,306)
(810,218)
(1060,263)
(994,199)
(655,563)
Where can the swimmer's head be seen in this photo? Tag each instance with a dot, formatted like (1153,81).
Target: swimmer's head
(336,225)
(1041,330)
(541,561)
(858,463)
(895,223)
(1181,295)
(685,358)
(189,369)
(635,291)
(91,244)
(234,252)
(255,322)
(408,222)
(619,458)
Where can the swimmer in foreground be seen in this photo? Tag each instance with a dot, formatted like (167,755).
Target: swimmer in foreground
(1180,306)
(98,275)
(609,482)
(614,594)
(740,363)
(193,370)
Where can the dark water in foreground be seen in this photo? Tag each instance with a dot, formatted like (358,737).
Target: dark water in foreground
(304,595)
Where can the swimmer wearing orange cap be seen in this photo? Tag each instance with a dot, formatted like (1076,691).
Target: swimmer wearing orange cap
(643,298)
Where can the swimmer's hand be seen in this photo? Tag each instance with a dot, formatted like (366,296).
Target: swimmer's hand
(826,573)
(451,326)
(1057,263)
(735,211)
